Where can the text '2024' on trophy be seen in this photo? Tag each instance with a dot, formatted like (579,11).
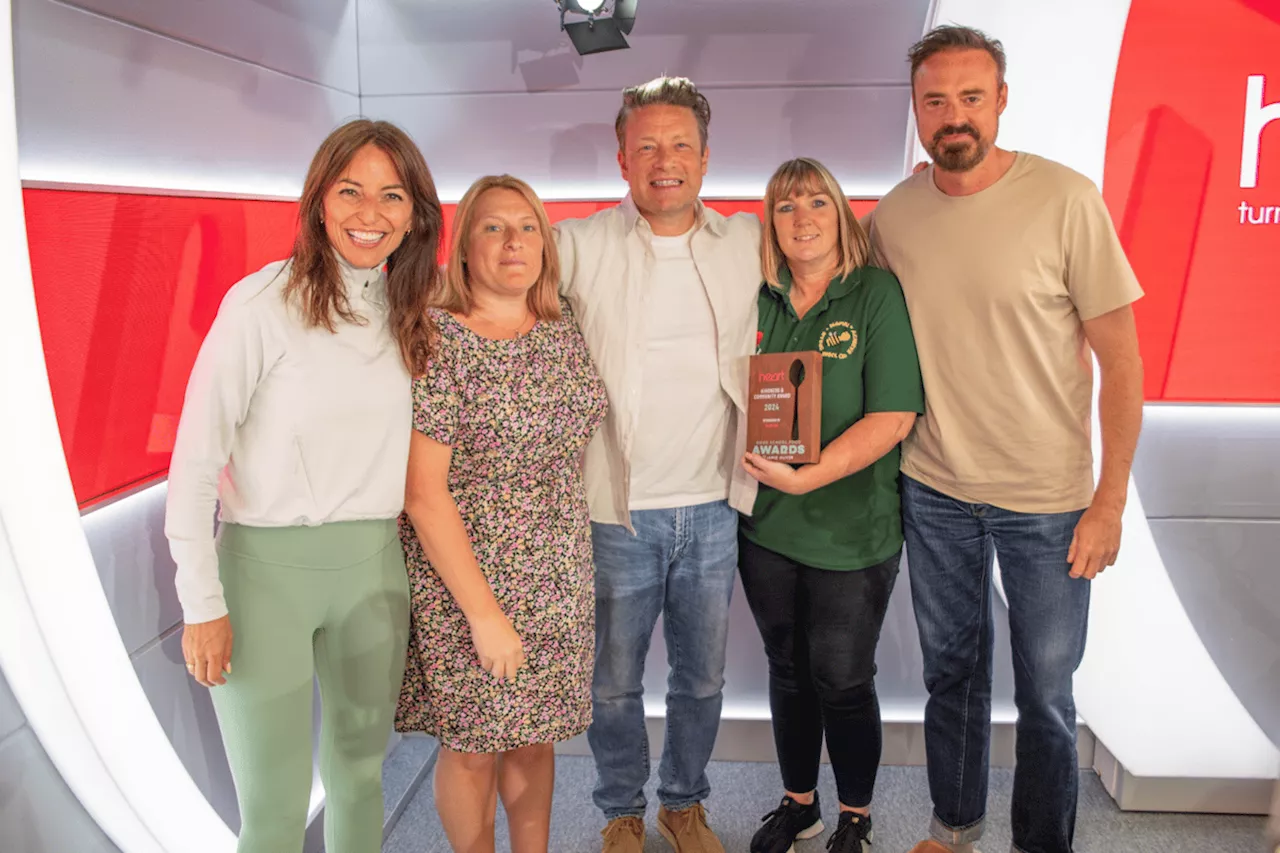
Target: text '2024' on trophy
(784,406)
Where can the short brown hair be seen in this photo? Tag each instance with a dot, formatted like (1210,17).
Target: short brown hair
(671,91)
(456,295)
(952,37)
(806,175)
(413,270)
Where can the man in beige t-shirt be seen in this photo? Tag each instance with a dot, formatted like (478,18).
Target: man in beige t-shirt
(1014,279)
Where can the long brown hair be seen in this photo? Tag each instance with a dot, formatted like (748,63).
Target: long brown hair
(806,175)
(455,294)
(413,270)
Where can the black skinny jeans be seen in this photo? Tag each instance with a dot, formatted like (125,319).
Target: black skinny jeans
(820,629)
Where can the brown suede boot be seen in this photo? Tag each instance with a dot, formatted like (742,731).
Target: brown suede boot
(624,835)
(687,830)
(931,846)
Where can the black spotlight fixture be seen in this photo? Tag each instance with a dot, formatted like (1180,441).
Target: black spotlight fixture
(606,26)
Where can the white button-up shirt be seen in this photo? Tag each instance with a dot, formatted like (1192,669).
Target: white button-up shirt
(606,261)
(285,425)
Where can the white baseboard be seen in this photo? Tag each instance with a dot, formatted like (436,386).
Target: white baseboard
(1156,794)
(752,740)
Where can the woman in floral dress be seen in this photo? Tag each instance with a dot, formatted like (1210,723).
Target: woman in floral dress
(496,530)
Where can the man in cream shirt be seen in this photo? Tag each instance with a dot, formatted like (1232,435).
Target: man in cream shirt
(664,290)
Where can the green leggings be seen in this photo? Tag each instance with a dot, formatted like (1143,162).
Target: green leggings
(332,602)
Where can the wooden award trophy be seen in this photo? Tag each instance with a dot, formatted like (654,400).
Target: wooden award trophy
(784,406)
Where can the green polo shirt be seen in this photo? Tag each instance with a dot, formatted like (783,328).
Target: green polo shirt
(869,364)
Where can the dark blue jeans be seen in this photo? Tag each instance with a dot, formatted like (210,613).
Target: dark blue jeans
(680,563)
(950,549)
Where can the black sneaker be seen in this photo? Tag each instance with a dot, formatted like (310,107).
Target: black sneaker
(852,835)
(788,822)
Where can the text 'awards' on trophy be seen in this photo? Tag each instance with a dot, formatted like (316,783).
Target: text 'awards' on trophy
(784,406)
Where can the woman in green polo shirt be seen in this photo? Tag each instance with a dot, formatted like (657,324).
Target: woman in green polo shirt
(819,553)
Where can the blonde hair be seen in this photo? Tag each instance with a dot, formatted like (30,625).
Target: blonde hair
(455,292)
(806,175)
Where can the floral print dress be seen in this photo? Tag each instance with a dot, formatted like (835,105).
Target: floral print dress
(518,414)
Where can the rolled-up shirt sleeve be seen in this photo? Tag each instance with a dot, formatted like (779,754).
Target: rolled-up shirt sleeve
(231,363)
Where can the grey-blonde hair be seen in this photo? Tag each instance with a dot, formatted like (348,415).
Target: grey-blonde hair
(668,91)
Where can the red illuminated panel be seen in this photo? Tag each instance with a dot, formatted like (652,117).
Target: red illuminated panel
(861,206)
(1269,8)
(1207,325)
(1159,227)
(126,287)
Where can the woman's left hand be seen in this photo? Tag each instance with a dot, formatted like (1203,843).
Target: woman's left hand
(777,475)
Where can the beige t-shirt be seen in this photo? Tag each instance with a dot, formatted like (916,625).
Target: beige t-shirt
(998,285)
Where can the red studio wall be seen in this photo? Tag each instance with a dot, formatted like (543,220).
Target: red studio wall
(127,285)
(1205,247)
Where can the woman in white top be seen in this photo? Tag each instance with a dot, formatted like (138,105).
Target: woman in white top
(297,421)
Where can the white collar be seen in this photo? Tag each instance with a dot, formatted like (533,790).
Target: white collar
(367,284)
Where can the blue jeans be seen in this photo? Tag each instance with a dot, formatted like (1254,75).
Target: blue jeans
(680,563)
(950,548)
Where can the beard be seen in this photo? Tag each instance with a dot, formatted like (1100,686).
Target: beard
(958,156)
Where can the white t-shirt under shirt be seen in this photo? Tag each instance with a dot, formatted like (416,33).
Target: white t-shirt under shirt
(678,456)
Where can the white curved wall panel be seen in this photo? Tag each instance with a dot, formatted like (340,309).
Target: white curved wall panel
(1200,462)
(1210,481)
(11,718)
(59,645)
(131,554)
(311,39)
(506,46)
(105,103)
(183,112)
(563,143)
(495,87)
(37,810)
(1225,574)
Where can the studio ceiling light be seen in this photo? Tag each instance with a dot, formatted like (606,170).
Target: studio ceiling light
(606,26)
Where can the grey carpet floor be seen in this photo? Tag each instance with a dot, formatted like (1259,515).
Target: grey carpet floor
(742,792)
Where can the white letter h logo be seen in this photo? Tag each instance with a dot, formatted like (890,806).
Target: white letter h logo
(1256,117)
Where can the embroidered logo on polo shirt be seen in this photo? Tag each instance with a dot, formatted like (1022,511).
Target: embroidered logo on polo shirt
(838,340)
